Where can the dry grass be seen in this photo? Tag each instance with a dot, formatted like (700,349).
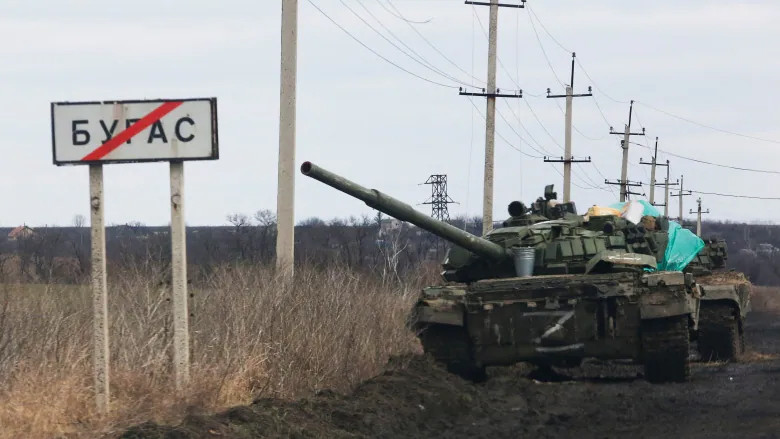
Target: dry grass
(253,334)
(765,299)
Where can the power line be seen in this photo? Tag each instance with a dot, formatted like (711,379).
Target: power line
(530,9)
(542,125)
(418,59)
(549,64)
(530,136)
(670,114)
(585,71)
(558,104)
(397,14)
(510,144)
(705,162)
(549,134)
(750,197)
(519,136)
(357,40)
(603,116)
(593,184)
(544,52)
(588,188)
(578,61)
(733,133)
(603,176)
(498,58)
(432,46)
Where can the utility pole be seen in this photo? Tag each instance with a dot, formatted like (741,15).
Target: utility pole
(666,191)
(652,171)
(439,198)
(699,212)
(624,183)
(681,194)
(567,159)
(666,184)
(285,197)
(490,117)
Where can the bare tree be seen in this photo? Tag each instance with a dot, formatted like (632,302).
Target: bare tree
(266,235)
(79,220)
(241,223)
(78,246)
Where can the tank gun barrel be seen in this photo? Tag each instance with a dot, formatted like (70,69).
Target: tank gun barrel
(404,212)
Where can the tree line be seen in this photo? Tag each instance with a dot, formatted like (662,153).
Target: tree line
(371,243)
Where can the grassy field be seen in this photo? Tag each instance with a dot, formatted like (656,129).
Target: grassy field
(766,299)
(252,333)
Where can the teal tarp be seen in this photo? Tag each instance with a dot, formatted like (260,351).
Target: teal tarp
(683,245)
(649,208)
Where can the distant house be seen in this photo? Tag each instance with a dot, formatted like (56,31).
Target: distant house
(390,225)
(767,250)
(20,232)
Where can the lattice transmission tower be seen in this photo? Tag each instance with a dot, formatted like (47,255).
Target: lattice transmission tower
(439,199)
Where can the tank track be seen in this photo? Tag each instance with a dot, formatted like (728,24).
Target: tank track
(451,346)
(665,346)
(720,337)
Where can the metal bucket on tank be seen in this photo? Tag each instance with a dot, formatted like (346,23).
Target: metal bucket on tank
(524,258)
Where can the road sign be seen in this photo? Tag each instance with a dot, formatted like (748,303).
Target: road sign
(134,131)
(94,133)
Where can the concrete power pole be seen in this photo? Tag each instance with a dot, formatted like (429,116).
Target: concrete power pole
(490,123)
(567,159)
(666,191)
(285,198)
(653,165)
(490,117)
(653,183)
(682,188)
(624,183)
(652,173)
(699,212)
(666,184)
(681,194)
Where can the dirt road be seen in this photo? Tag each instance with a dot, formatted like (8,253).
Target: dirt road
(415,398)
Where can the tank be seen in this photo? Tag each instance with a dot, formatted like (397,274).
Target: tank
(593,289)
(725,303)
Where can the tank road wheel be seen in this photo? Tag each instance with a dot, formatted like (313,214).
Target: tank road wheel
(720,337)
(450,345)
(665,345)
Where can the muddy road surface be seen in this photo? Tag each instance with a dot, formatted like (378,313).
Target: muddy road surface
(415,398)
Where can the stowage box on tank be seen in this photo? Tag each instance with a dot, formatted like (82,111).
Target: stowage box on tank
(594,290)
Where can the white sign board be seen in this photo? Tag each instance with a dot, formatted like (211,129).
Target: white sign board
(134,131)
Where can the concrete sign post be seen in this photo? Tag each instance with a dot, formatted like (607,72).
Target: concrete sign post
(98,287)
(181,314)
(95,133)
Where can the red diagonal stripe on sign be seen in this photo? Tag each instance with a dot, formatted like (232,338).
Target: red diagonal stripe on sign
(144,123)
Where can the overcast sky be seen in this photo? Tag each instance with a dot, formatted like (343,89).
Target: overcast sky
(713,62)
